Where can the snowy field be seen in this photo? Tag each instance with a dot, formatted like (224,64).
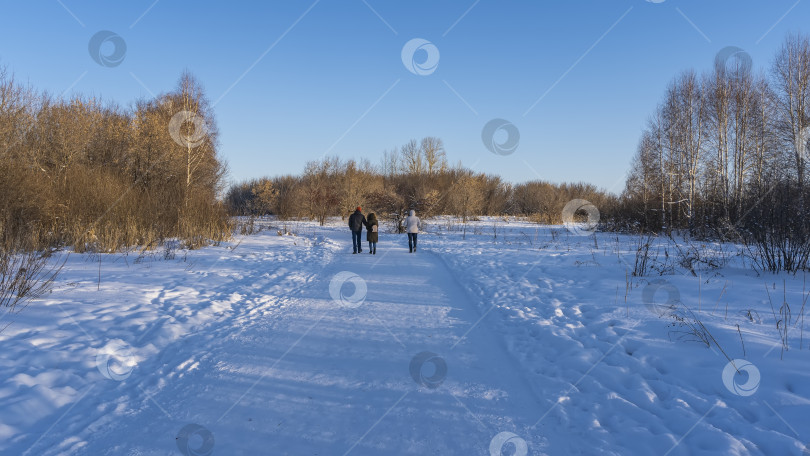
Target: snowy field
(498,337)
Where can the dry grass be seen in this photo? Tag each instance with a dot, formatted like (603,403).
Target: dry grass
(24,277)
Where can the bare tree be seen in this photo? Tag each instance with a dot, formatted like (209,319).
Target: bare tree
(265,195)
(321,188)
(390,162)
(719,86)
(466,196)
(411,158)
(434,154)
(791,75)
(197,131)
(352,190)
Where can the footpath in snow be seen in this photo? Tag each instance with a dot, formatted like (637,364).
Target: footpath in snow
(519,343)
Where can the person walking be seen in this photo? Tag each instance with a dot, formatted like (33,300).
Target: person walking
(356,222)
(412,225)
(372,226)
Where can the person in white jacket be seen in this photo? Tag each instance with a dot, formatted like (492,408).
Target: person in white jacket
(412,225)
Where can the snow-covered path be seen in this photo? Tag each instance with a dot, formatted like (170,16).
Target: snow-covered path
(290,370)
(343,385)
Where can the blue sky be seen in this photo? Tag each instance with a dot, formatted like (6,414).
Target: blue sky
(295,80)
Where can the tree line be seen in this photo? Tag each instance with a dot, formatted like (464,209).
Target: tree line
(414,176)
(722,140)
(88,174)
(725,155)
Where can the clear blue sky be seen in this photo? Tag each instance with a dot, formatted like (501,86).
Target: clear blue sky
(308,71)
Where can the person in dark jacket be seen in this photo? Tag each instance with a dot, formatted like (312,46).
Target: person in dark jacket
(356,222)
(371,236)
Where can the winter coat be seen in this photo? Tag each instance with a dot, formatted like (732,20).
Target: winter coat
(356,221)
(372,226)
(412,223)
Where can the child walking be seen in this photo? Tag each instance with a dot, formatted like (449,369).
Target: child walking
(371,236)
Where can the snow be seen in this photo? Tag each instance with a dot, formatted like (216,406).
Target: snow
(498,337)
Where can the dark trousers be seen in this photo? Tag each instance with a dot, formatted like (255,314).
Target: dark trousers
(357,241)
(412,241)
(372,247)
